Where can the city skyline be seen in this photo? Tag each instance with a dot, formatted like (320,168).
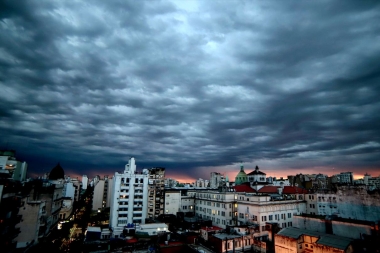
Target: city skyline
(192,86)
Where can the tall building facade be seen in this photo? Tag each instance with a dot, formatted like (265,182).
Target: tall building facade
(216,179)
(156,194)
(102,193)
(345,178)
(129,198)
(84,182)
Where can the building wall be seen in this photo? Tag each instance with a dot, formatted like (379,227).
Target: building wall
(84,182)
(308,223)
(285,244)
(259,210)
(69,190)
(350,230)
(109,192)
(32,212)
(97,199)
(172,202)
(215,179)
(219,207)
(77,188)
(351,202)
(67,208)
(129,198)
(187,203)
(156,192)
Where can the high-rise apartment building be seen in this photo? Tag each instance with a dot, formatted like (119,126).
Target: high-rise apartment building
(156,194)
(216,179)
(129,198)
(345,178)
(102,193)
(84,182)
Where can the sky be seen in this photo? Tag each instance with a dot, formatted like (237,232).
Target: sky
(192,86)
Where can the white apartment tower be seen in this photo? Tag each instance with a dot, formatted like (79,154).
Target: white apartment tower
(129,198)
(84,182)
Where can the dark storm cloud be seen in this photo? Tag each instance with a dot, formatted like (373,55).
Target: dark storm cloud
(187,84)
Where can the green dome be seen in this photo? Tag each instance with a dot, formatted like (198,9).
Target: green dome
(241,177)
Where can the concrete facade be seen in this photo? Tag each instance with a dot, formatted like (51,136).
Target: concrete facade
(102,193)
(156,194)
(40,211)
(219,207)
(349,201)
(172,202)
(129,198)
(216,179)
(353,229)
(84,182)
(259,210)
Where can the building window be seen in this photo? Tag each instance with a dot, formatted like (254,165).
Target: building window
(263,218)
(289,215)
(270,217)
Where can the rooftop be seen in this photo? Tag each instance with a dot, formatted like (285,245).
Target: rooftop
(268,189)
(338,242)
(244,188)
(211,228)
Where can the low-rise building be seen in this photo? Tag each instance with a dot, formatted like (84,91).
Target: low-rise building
(301,240)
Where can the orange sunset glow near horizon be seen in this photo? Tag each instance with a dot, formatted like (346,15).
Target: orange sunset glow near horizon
(204,173)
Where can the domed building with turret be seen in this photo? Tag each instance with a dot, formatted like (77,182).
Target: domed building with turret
(241,177)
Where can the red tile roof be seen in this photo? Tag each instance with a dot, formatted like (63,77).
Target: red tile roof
(293,190)
(244,188)
(269,189)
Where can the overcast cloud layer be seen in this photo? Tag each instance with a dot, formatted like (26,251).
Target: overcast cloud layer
(191,85)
